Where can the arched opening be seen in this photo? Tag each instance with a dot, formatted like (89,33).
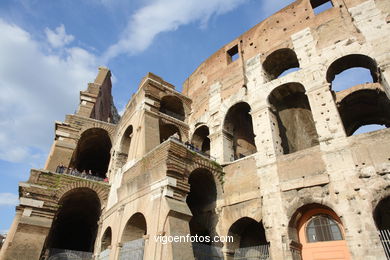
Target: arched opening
(238,132)
(201,140)
(319,232)
(132,240)
(292,110)
(75,225)
(249,240)
(106,239)
(364,107)
(279,62)
(172,106)
(382,214)
(92,154)
(168,130)
(202,202)
(122,156)
(351,70)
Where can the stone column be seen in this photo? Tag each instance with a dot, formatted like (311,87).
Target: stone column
(325,113)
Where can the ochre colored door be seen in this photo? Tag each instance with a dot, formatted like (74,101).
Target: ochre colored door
(322,237)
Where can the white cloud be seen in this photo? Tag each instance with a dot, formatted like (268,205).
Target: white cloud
(58,38)
(36,89)
(9,199)
(162,16)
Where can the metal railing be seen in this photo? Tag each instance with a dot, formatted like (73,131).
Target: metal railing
(104,255)
(384,236)
(253,252)
(207,252)
(133,250)
(66,254)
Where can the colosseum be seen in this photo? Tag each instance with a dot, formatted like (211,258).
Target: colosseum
(258,152)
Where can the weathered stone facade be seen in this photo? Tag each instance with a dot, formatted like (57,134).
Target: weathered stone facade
(270,151)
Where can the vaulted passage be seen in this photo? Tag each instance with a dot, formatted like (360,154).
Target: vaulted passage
(382,214)
(172,106)
(279,63)
(238,132)
(364,107)
(201,140)
(248,240)
(92,152)
(202,202)
(295,120)
(106,239)
(75,225)
(168,130)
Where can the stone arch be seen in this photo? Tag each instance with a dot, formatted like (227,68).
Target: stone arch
(167,130)
(247,233)
(92,153)
(238,132)
(101,192)
(173,106)
(292,111)
(110,129)
(381,214)
(200,139)
(364,107)
(75,224)
(106,240)
(317,223)
(279,62)
(135,228)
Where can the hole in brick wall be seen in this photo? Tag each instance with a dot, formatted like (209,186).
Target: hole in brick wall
(320,6)
(232,54)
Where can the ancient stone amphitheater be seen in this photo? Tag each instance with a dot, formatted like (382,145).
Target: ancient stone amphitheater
(259,146)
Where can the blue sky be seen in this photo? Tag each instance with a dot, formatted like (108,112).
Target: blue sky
(50,50)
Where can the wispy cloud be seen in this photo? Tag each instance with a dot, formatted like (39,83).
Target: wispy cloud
(8,199)
(58,37)
(38,86)
(162,16)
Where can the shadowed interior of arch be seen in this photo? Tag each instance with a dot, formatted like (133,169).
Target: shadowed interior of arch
(167,130)
(92,152)
(75,225)
(202,202)
(363,108)
(382,214)
(238,131)
(201,140)
(135,228)
(280,63)
(292,111)
(106,239)
(246,232)
(172,106)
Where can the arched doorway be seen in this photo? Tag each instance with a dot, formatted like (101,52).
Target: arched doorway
(238,132)
(168,130)
(249,240)
(280,63)
(321,234)
(132,240)
(75,225)
(93,152)
(382,222)
(105,245)
(201,140)
(172,106)
(202,202)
